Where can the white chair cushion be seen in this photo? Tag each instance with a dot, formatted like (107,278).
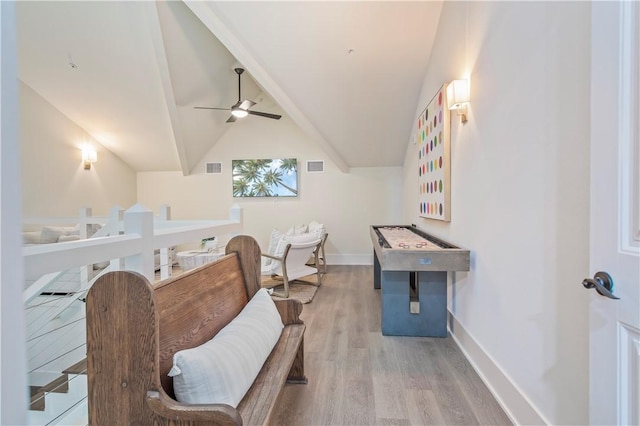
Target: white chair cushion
(303,238)
(274,239)
(294,239)
(223,369)
(276,267)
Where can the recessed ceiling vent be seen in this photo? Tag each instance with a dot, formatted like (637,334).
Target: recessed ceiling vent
(315,166)
(213,168)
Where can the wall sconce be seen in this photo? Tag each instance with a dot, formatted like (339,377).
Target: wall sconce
(458,98)
(89,156)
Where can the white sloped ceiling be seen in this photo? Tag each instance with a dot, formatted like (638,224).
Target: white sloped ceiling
(348,73)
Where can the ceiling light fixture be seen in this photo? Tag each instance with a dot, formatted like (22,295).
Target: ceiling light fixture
(239,112)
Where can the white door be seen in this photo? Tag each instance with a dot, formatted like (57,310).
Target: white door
(614,325)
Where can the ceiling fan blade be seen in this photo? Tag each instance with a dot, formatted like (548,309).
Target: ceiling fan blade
(246,104)
(221,109)
(242,105)
(265,114)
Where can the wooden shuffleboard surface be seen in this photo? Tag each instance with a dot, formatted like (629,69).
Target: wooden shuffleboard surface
(399,237)
(406,248)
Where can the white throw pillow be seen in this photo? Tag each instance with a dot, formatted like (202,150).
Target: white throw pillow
(275,237)
(223,369)
(273,240)
(300,229)
(297,230)
(316,227)
(282,244)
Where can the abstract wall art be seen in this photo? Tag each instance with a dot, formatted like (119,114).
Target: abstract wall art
(434,174)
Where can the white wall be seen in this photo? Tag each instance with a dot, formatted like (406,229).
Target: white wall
(520,200)
(347,203)
(54,181)
(13,362)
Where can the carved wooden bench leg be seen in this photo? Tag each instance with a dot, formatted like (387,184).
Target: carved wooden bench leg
(296,374)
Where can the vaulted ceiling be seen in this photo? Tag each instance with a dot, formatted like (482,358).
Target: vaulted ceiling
(129,73)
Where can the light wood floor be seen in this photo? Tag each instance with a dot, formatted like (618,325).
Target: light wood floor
(357,376)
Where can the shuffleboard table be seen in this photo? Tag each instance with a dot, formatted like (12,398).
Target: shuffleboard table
(410,268)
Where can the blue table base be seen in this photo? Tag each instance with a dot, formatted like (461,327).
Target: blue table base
(430,295)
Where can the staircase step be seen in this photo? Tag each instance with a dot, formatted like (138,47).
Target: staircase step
(37,398)
(64,408)
(79,367)
(78,415)
(59,385)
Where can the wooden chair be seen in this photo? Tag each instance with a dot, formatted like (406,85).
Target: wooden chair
(292,265)
(319,261)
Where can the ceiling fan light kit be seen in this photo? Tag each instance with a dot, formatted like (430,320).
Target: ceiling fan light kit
(238,112)
(241,108)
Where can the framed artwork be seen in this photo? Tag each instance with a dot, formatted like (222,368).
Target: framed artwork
(265,178)
(434,174)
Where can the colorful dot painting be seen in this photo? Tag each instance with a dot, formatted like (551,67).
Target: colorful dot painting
(433,153)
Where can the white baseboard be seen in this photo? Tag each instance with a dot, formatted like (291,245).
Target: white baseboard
(512,400)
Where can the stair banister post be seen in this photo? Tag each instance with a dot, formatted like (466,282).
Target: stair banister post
(165,212)
(236,213)
(116,215)
(165,261)
(83,223)
(139,220)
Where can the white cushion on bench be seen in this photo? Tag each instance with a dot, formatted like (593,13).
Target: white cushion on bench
(223,369)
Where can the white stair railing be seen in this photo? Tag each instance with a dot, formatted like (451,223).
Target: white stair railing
(56,322)
(40,285)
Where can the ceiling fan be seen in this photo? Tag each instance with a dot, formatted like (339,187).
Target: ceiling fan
(241,108)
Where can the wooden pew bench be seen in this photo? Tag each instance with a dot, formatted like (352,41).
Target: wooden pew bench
(134,328)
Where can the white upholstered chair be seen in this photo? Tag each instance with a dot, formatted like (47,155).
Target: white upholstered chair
(291,265)
(318,257)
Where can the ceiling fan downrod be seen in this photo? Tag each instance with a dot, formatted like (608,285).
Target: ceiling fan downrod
(239,71)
